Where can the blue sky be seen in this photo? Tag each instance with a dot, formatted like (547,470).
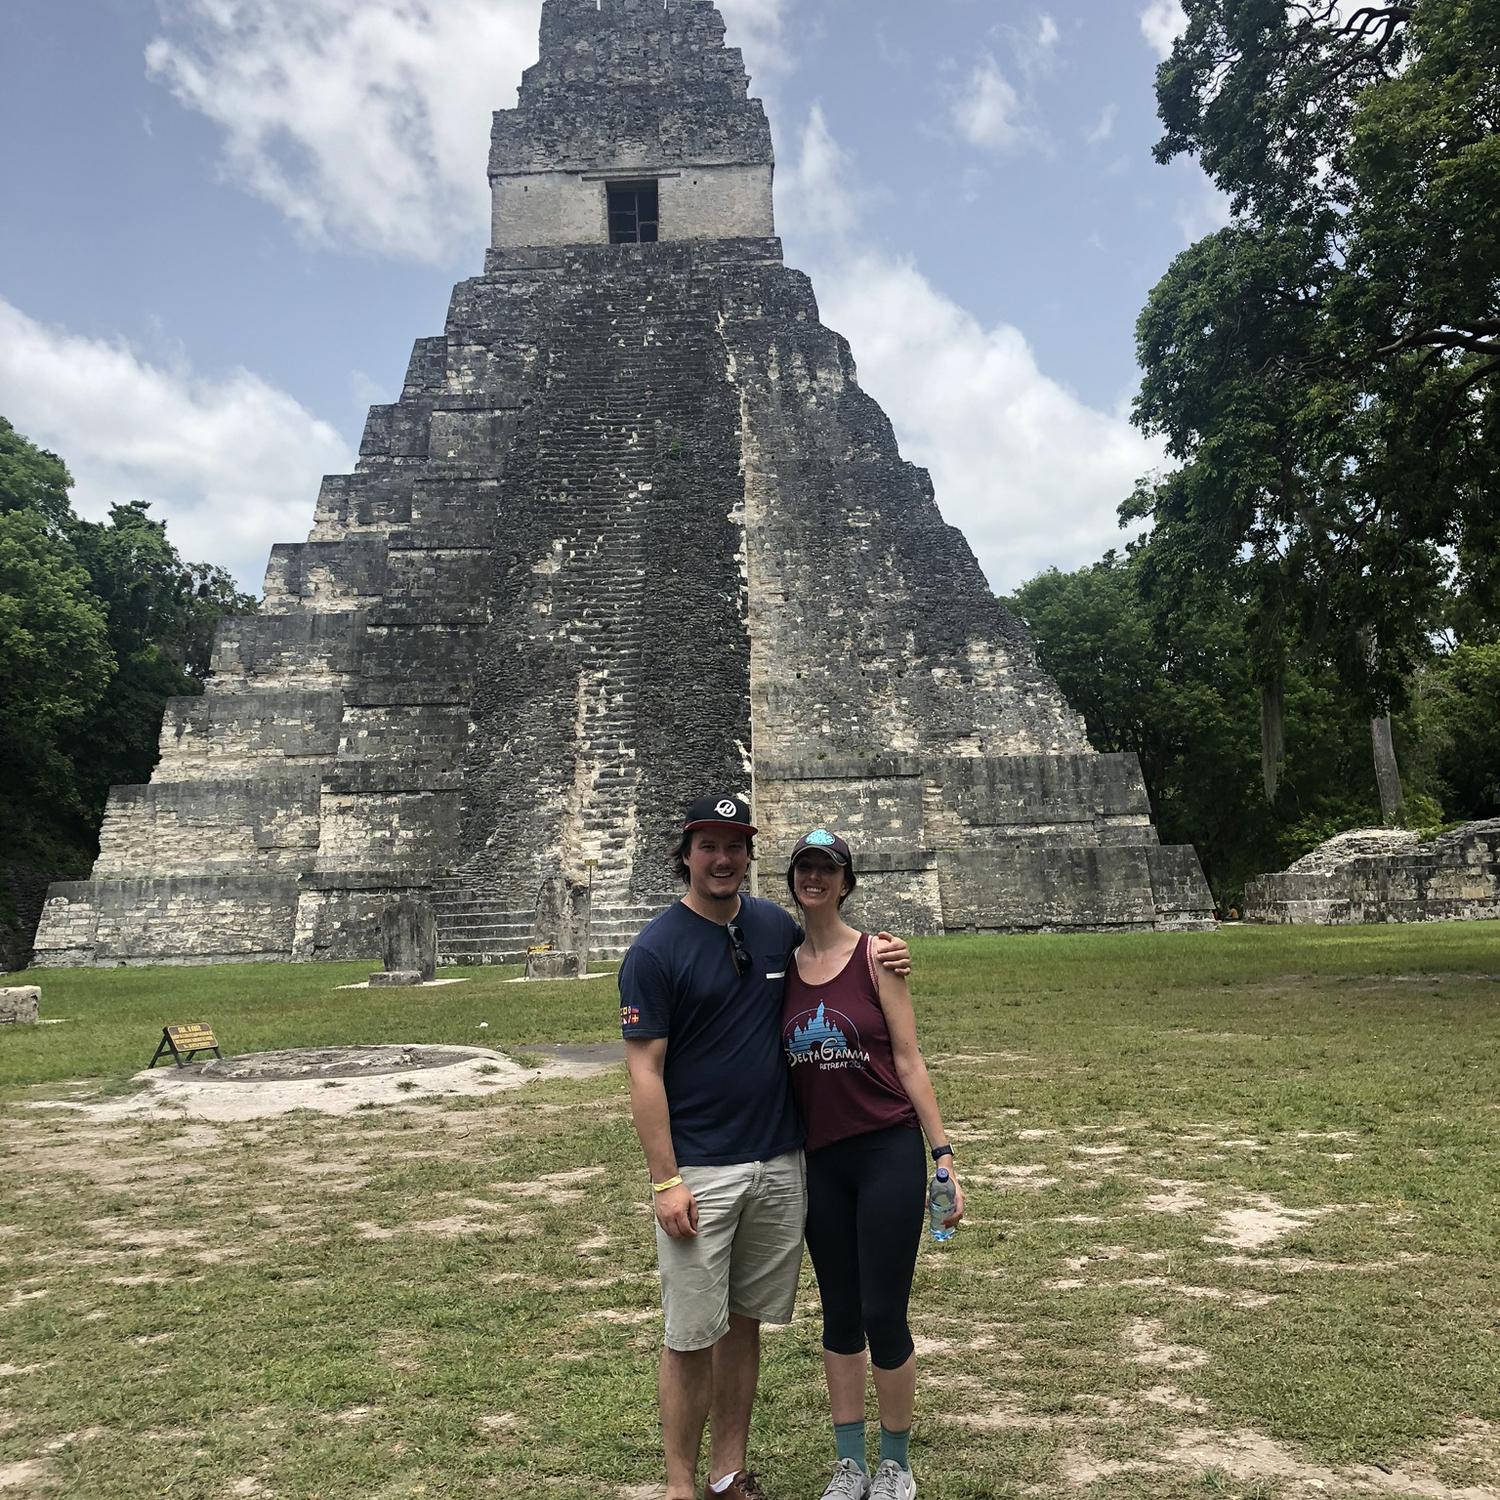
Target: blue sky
(225,222)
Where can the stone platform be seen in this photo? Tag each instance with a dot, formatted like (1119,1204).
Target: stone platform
(1385,875)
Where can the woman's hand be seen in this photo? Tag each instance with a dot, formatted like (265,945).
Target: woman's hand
(951,1222)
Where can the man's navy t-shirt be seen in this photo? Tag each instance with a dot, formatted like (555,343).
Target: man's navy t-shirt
(728,1087)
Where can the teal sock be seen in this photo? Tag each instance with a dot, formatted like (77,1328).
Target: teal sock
(849,1438)
(895,1445)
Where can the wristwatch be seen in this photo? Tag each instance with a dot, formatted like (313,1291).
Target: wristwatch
(939,1152)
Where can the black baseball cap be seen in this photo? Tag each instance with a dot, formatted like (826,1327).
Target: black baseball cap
(824,843)
(719,812)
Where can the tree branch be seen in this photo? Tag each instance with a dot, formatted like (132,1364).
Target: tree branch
(1445,338)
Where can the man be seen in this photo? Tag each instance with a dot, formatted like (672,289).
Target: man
(700,994)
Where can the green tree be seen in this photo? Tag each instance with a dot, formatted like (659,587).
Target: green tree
(1182,696)
(1452,731)
(32,479)
(100,624)
(55,667)
(1326,370)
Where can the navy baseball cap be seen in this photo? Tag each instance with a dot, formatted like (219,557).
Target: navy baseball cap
(719,812)
(824,843)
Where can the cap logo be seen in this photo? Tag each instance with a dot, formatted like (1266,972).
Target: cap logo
(726,809)
(819,838)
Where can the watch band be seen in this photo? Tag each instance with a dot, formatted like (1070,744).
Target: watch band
(939,1152)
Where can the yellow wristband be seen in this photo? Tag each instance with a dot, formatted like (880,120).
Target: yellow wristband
(662,1187)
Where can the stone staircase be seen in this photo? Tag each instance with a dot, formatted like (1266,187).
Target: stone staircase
(474,930)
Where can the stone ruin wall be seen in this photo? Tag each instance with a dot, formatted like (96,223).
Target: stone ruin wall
(1452,878)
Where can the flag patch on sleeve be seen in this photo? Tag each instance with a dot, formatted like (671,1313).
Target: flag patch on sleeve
(630,1015)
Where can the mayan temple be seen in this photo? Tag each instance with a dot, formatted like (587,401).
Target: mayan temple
(631,532)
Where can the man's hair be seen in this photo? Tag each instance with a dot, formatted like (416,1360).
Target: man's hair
(680,853)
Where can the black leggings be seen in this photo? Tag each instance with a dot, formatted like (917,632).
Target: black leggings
(866,1203)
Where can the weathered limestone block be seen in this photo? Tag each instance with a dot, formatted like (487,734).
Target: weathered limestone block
(289,653)
(338,912)
(326,576)
(560,933)
(220,736)
(1037,792)
(399,825)
(368,502)
(408,943)
(1178,889)
(435,585)
(187,920)
(1014,888)
(404,734)
(1386,875)
(188,827)
(402,431)
(19,1006)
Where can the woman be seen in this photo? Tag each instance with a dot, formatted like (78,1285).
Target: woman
(866,1099)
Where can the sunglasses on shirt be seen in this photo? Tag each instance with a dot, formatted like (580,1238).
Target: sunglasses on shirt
(738,951)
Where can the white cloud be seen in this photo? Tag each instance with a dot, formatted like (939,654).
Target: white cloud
(1162,22)
(1104,128)
(1202,213)
(231,463)
(368,124)
(1032,475)
(988,111)
(364,124)
(756,26)
(1047,32)
(818,193)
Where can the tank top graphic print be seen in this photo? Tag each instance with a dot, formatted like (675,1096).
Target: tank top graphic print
(838,1046)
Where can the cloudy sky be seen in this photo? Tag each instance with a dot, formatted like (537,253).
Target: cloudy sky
(225,221)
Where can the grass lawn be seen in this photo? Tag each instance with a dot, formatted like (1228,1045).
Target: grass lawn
(1233,1227)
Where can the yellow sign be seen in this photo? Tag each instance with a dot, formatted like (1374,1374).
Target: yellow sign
(183,1043)
(194,1038)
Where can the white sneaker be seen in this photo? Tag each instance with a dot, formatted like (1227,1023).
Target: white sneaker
(892,1482)
(849,1482)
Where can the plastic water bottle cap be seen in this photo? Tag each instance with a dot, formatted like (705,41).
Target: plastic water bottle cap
(942,1174)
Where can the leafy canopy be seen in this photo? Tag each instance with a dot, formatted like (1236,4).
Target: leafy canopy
(1326,369)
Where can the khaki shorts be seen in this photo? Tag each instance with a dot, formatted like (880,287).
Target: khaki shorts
(747,1256)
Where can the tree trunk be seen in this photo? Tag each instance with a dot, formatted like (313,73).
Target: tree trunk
(1387,772)
(1272,735)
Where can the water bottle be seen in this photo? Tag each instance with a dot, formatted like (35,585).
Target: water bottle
(942,1199)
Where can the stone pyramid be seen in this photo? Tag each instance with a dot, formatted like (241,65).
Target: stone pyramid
(632,532)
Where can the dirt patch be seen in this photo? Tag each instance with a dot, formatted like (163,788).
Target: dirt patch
(13,1476)
(1262,1222)
(1249,1458)
(193,1093)
(1172,1399)
(1148,1340)
(1301,1265)
(1176,1197)
(1012,1179)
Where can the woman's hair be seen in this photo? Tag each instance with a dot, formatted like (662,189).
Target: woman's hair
(847,871)
(679,854)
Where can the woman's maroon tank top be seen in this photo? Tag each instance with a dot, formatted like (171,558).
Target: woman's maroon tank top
(843,1070)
